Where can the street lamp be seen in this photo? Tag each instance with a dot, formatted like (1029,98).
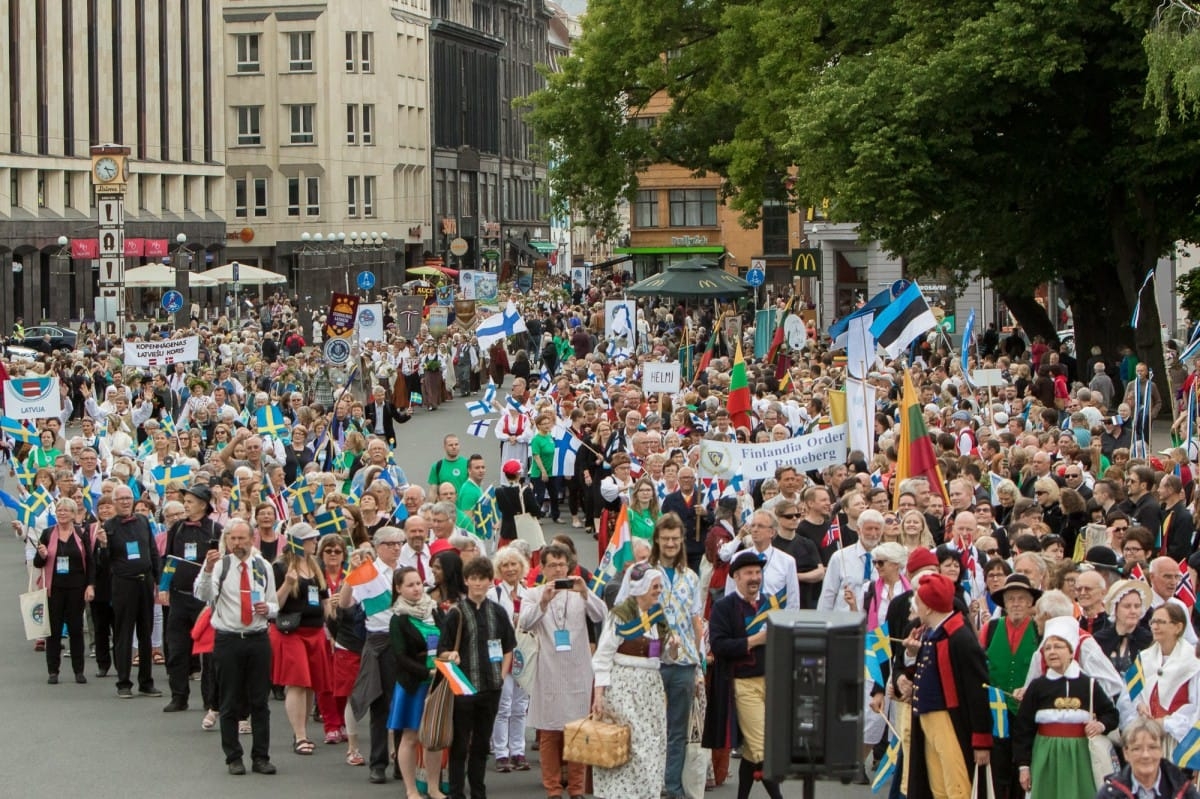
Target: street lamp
(237,301)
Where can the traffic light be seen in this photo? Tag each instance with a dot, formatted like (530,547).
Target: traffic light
(815,668)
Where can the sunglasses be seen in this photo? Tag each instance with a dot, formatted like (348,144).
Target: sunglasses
(789,515)
(991,552)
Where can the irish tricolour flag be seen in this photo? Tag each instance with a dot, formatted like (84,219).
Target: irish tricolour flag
(618,554)
(370,588)
(459,683)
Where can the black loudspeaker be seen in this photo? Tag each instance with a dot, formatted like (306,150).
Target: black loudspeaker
(815,672)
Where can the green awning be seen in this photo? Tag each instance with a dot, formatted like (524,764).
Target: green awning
(715,249)
(544,247)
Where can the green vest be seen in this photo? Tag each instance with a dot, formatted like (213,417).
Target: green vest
(1008,670)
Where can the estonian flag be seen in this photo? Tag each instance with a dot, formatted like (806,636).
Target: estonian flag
(907,317)
(839,331)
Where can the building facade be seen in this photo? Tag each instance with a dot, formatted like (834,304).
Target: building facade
(145,74)
(488,187)
(326,118)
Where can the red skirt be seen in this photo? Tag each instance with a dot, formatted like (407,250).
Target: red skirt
(300,658)
(345,671)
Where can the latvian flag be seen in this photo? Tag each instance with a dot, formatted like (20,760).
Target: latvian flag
(907,317)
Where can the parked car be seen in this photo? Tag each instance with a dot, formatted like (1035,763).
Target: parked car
(46,338)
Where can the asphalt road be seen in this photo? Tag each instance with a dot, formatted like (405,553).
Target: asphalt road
(63,739)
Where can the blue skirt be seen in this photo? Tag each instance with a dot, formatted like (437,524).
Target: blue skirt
(407,708)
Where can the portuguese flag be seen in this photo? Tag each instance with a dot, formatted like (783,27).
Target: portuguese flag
(915,453)
(738,404)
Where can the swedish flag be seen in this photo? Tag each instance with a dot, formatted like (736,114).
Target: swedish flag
(331,521)
(1187,753)
(877,651)
(485,516)
(999,710)
(168,574)
(167,425)
(33,505)
(1135,679)
(24,472)
(19,432)
(887,766)
(165,475)
(235,496)
(635,628)
(270,422)
(303,502)
(774,602)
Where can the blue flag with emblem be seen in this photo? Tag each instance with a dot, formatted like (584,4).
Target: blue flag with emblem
(400,514)
(967,340)
(485,515)
(998,707)
(270,422)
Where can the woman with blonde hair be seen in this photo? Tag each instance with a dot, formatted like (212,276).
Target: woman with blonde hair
(508,731)
(914,531)
(300,658)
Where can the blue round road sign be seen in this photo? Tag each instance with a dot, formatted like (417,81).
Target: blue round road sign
(756,277)
(366,280)
(899,286)
(172,301)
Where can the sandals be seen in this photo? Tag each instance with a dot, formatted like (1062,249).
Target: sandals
(302,746)
(355,758)
(333,737)
(210,720)
(159,659)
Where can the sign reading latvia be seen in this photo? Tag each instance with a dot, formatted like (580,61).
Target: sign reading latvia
(32,398)
(161,353)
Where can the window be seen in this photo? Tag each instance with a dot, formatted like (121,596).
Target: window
(313,205)
(774,226)
(351,123)
(351,51)
(368,123)
(301,124)
(644,123)
(300,57)
(646,208)
(368,196)
(247,53)
(293,196)
(239,198)
(249,129)
(352,196)
(368,46)
(693,208)
(260,196)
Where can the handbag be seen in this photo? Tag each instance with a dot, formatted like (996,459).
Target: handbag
(436,730)
(529,529)
(287,622)
(982,787)
(35,615)
(1100,749)
(524,664)
(596,742)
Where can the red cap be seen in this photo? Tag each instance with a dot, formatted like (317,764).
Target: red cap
(921,558)
(439,545)
(937,592)
(511,468)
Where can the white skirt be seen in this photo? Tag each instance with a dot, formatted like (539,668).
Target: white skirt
(636,698)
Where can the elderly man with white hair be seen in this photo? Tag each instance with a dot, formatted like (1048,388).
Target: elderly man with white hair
(851,568)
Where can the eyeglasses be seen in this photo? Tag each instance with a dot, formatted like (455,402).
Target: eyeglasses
(390,544)
(1041,493)
(789,515)
(990,552)
(1160,622)
(333,551)
(879,564)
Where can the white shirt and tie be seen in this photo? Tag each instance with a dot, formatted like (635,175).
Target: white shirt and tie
(850,566)
(778,572)
(418,561)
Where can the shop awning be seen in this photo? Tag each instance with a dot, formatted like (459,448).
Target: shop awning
(708,249)
(544,247)
(611,262)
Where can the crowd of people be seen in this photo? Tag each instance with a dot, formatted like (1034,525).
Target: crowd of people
(244,521)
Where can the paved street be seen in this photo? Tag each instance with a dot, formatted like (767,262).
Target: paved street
(61,739)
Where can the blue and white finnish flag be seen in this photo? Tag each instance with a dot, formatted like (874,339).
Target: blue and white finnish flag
(500,326)
(1137,305)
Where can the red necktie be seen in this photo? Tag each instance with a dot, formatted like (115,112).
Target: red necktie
(420,568)
(247,611)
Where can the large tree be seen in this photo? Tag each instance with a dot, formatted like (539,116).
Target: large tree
(1003,138)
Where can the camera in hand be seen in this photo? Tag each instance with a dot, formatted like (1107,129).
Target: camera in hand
(566,582)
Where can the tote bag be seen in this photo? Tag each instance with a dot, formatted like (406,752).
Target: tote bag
(35,615)
(437,721)
(529,529)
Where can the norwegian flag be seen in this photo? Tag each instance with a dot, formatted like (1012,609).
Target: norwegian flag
(1136,573)
(834,534)
(1185,593)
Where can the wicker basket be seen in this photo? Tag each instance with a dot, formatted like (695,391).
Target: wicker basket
(596,743)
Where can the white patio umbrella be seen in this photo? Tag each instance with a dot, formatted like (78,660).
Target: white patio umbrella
(163,276)
(247,275)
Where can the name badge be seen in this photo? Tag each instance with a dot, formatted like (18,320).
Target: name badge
(314,596)
(562,640)
(132,550)
(431,643)
(62,564)
(189,551)
(255,597)
(495,651)
(655,647)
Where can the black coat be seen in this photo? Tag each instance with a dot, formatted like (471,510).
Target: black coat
(696,518)
(410,650)
(508,503)
(1172,784)
(390,414)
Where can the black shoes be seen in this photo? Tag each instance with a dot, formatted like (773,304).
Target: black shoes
(175,706)
(79,678)
(52,679)
(237,768)
(263,767)
(150,691)
(101,672)
(378,776)
(124,693)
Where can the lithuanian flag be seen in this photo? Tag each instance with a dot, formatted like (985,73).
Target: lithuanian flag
(739,393)
(915,454)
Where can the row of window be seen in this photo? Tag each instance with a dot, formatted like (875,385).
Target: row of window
(360,52)
(360,124)
(250,196)
(688,208)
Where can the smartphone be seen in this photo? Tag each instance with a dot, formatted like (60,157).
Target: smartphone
(214,543)
(564,583)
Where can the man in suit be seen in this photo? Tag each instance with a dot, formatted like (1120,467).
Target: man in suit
(689,505)
(380,413)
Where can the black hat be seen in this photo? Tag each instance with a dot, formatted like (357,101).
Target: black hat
(1102,558)
(1018,581)
(200,492)
(745,557)
(727,503)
